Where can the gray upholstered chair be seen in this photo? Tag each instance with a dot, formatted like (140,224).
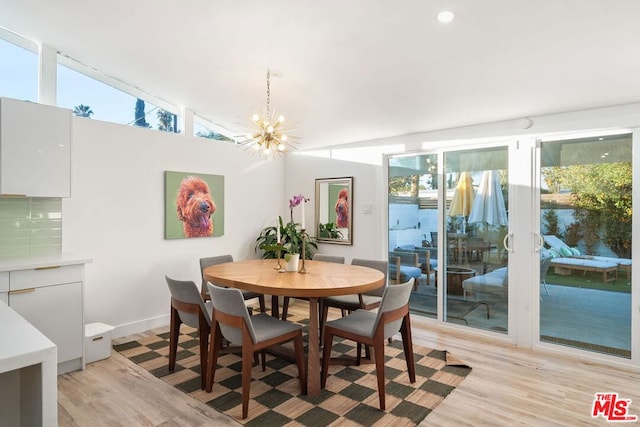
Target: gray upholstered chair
(221,259)
(372,329)
(231,320)
(366,301)
(188,307)
(316,257)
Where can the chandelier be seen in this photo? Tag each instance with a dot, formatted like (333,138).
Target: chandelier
(267,134)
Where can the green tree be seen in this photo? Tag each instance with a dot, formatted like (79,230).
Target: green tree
(82,111)
(209,134)
(140,115)
(550,218)
(601,196)
(167,121)
(404,184)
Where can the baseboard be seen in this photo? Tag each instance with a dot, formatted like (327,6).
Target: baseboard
(140,326)
(70,366)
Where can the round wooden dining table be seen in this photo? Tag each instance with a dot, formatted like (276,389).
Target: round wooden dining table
(322,279)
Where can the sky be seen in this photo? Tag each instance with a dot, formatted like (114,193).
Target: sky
(19,80)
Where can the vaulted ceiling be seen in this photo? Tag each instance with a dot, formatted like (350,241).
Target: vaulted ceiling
(353,70)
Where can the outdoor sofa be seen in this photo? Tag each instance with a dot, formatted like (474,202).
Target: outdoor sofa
(565,259)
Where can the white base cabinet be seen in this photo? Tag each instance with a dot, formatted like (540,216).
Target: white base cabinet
(51,299)
(56,311)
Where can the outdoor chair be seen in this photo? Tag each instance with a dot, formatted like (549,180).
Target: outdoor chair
(565,251)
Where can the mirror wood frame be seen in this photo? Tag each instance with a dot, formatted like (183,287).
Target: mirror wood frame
(329,202)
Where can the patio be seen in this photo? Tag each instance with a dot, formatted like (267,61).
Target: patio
(594,319)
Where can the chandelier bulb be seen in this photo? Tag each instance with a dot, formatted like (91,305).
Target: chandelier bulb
(270,129)
(255,117)
(283,137)
(280,119)
(281,147)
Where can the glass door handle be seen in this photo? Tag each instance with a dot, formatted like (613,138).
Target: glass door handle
(540,239)
(505,242)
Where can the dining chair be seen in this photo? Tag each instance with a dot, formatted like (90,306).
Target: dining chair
(366,301)
(372,329)
(231,320)
(316,257)
(221,259)
(188,307)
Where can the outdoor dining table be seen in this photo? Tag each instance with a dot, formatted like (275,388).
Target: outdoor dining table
(322,279)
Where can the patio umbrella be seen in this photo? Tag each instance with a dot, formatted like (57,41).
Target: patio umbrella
(463,196)
(488,207)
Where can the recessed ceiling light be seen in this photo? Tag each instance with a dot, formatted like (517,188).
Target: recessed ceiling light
(446,16)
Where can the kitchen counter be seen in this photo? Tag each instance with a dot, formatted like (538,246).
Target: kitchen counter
(41,261)
(28,373)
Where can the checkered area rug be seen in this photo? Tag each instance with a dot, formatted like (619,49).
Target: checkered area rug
(350,397)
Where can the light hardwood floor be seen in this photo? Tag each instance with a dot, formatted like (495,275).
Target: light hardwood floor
(507,386)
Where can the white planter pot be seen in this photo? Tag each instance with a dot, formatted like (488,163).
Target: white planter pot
(292,264)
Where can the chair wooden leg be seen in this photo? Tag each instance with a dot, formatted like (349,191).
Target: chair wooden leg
(263,305)
(215,344)
(299,349)
(203,335)
(285,308)
(174,333)
(263,358)
(324,313)
(407,343)
(378,354)
(247,363)
(326,357)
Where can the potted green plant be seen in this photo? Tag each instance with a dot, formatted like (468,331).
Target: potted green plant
(290,237)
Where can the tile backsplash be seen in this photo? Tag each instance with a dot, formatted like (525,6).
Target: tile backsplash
(30,226)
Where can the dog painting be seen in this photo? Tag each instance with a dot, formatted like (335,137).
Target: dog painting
(195,207)
(342,209)
(195,200)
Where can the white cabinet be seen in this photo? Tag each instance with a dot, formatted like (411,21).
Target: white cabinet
(51,299)
(35,149)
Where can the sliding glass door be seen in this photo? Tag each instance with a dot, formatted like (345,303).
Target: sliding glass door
(474,225)
(413,183)
(585,261)
(446,228)
(531,239)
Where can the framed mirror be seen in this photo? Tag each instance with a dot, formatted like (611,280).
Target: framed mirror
(334,215)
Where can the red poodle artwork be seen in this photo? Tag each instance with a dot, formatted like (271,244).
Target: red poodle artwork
(342,209)
(195,207)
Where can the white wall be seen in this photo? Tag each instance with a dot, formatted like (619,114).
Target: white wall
(368,229)
(116,216)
